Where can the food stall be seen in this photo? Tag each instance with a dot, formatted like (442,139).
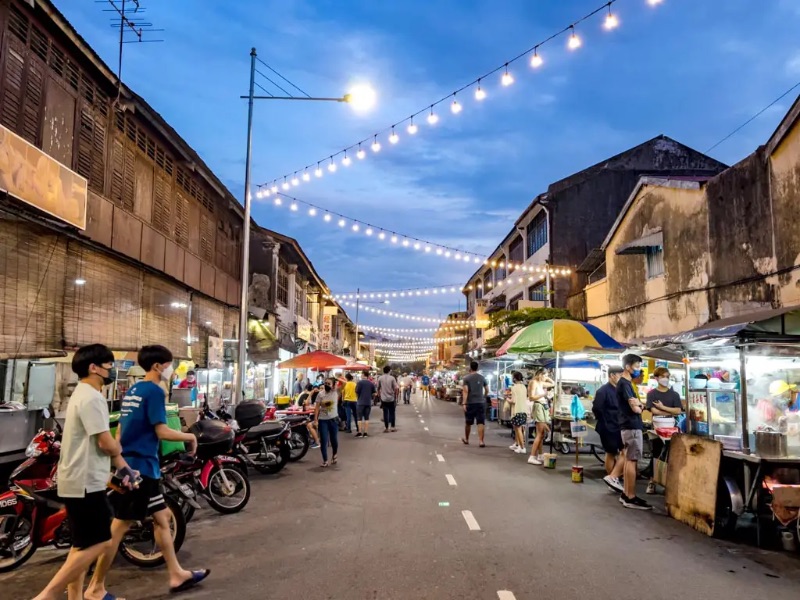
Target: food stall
(742,450)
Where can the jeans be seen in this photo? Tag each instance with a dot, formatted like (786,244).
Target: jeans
(328,432)
(352,416)
(407,395)
(389,410)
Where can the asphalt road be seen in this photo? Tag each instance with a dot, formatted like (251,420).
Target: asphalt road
(389,522)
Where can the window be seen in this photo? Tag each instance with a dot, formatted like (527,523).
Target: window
(655,261)
(537,233)
(283,286)
(299,305)
(478,289)
(500,272)
(516,252)
(514,303)
(537,292)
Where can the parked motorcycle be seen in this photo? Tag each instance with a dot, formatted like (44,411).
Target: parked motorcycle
(31,516)
(299,439)
(264,446)
(213,474)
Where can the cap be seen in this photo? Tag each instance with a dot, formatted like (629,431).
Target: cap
(779,386)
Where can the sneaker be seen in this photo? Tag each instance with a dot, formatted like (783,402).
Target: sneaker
(365,435)
(314,446)
(513,447)
(386,430)
(614,483)
(520,451)
(533,460)
(359,434)
(635,503)
(651,488)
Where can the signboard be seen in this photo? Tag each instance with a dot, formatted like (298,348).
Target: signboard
(303,329)
(327,327)
(35,178)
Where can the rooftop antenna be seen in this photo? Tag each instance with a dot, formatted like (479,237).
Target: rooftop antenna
(131,29)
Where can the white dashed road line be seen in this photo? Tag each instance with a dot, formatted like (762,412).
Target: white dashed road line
(506,595)
(440,457)
(450,479)
(471,522)
(421,421)
(426,429)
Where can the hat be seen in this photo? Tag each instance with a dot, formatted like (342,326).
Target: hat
(615,370)
(779,386)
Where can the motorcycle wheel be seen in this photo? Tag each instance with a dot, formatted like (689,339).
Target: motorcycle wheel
(188,510)
(239,497)
(284,452)
(15,552)
(139,547)
(300,445)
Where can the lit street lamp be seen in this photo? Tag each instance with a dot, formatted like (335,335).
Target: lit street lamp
(360,98)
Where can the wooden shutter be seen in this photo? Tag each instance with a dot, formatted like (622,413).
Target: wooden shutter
(162,205)
(181,219)
(34,99)
(91,150)
(13,74)
(122,175)
(207,235)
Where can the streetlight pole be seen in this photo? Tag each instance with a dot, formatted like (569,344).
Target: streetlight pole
(243,312)
(364,96)
(358,304)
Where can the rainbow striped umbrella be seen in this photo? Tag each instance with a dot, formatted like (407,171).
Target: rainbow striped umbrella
(558,335)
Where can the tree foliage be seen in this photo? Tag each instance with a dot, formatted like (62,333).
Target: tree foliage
(508,322)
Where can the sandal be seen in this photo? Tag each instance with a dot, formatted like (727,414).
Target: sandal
(465,442)
(197,577)
(325,464)
(334,459)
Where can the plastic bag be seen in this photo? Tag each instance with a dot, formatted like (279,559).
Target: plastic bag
(576,409)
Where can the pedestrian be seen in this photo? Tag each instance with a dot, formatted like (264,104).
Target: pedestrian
(388,391)
(631,427)
(299,384)
(662,401)
(606,410)
(326,417)
(350,401)
(426,386)
(538,392)
(405,385)
(87,452)
(474,390)
(142,425)
(365,392)
(306,400)
(519,412)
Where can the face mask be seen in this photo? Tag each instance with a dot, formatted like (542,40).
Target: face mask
(111,377)
(664,382)
(166,374)
(327,387)
(636,373)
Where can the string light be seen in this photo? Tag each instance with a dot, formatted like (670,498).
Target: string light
(418,343)
(402,332)
(278,201)
(376,145)
(318,171)
(654,2)
(346,160)
(306,176)
(327,217)
(412,128)
(507,79)
(455,107)
(295,180)
(394,138)
(285,184)
(397,315)
(332,166)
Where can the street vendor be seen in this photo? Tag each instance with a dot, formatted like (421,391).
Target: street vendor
(662,401)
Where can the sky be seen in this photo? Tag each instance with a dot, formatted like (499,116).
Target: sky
(691,70)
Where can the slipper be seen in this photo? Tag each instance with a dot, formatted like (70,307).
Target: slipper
(109,596)
(334,459)
(325,465)
(197,577)
(481,445)
(465,442)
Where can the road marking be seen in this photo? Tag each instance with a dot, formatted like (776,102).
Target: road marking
(440,457)
(450,479)
(506,595)
(426,429)
(421,421)
(471,522)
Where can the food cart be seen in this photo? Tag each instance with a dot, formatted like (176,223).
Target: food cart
(741,452)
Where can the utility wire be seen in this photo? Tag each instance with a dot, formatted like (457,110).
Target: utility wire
(755,116)
(275,84)
(282,77)
(263,89)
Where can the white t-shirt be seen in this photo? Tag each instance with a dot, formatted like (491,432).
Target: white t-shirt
(406,381)
(83,467)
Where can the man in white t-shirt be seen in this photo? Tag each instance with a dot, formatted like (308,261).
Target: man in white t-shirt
(388,391)
(406,383)
(87,451)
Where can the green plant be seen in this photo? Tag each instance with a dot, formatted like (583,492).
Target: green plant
(508,322)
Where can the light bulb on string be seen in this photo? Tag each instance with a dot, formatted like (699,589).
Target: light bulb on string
(394,239)
(360,154)
(259,194)
(274,187)
(293,206)
(318,171)
(285,184)
(368,231)
(405,243)
(611,22)
(433,118)
(295,180)
(480,94)
(327,217)
(412,128)
(455,107)
(278,201)
(342,223)
(376,145)
(417,246)
(346,160)
(394,138)
(306,176)
(312,211)
(536,60)
(332,166)
(507,78)
(654,2)
(355,227)
(381,236)
(574,41)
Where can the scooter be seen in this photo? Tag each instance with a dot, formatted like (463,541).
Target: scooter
(299,439)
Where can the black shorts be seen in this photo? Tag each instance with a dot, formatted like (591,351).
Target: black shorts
(611,441)
(138,504)
(89,519)
(475,413)
(363,412)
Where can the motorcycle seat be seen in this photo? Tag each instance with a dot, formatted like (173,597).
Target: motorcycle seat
(263,429)
(295,418)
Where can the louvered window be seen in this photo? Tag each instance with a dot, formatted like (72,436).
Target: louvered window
(18,24)
(181,219)
(206,239)
(283,286)
(13,74)
(92,149)
(122,176)
(162,205)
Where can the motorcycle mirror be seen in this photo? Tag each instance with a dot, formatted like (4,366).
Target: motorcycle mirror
(46,413)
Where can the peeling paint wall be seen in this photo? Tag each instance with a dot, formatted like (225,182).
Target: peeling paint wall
(785,187)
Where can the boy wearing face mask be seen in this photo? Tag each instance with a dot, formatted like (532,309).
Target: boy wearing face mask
(142,425)
(631,427)
(662,401)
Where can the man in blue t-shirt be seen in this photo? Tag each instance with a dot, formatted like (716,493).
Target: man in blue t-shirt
(365,391)
(426,385)
(143,424)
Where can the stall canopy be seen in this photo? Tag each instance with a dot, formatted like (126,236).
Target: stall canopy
(314,360)
(558,335)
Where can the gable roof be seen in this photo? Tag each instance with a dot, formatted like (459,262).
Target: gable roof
(789,120)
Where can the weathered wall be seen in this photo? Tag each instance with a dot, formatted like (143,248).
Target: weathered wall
(785,185)
(639,307)
(596,295)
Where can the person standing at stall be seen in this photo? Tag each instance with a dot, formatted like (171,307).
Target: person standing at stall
(631,428)
(662,401)
(519,412)
(606,410)
(388,391)
(538,394)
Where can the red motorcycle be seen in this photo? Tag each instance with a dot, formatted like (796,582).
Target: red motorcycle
(31,515)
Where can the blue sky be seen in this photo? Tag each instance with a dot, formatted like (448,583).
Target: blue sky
(690,70)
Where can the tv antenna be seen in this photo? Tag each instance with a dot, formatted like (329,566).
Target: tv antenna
(132,28)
